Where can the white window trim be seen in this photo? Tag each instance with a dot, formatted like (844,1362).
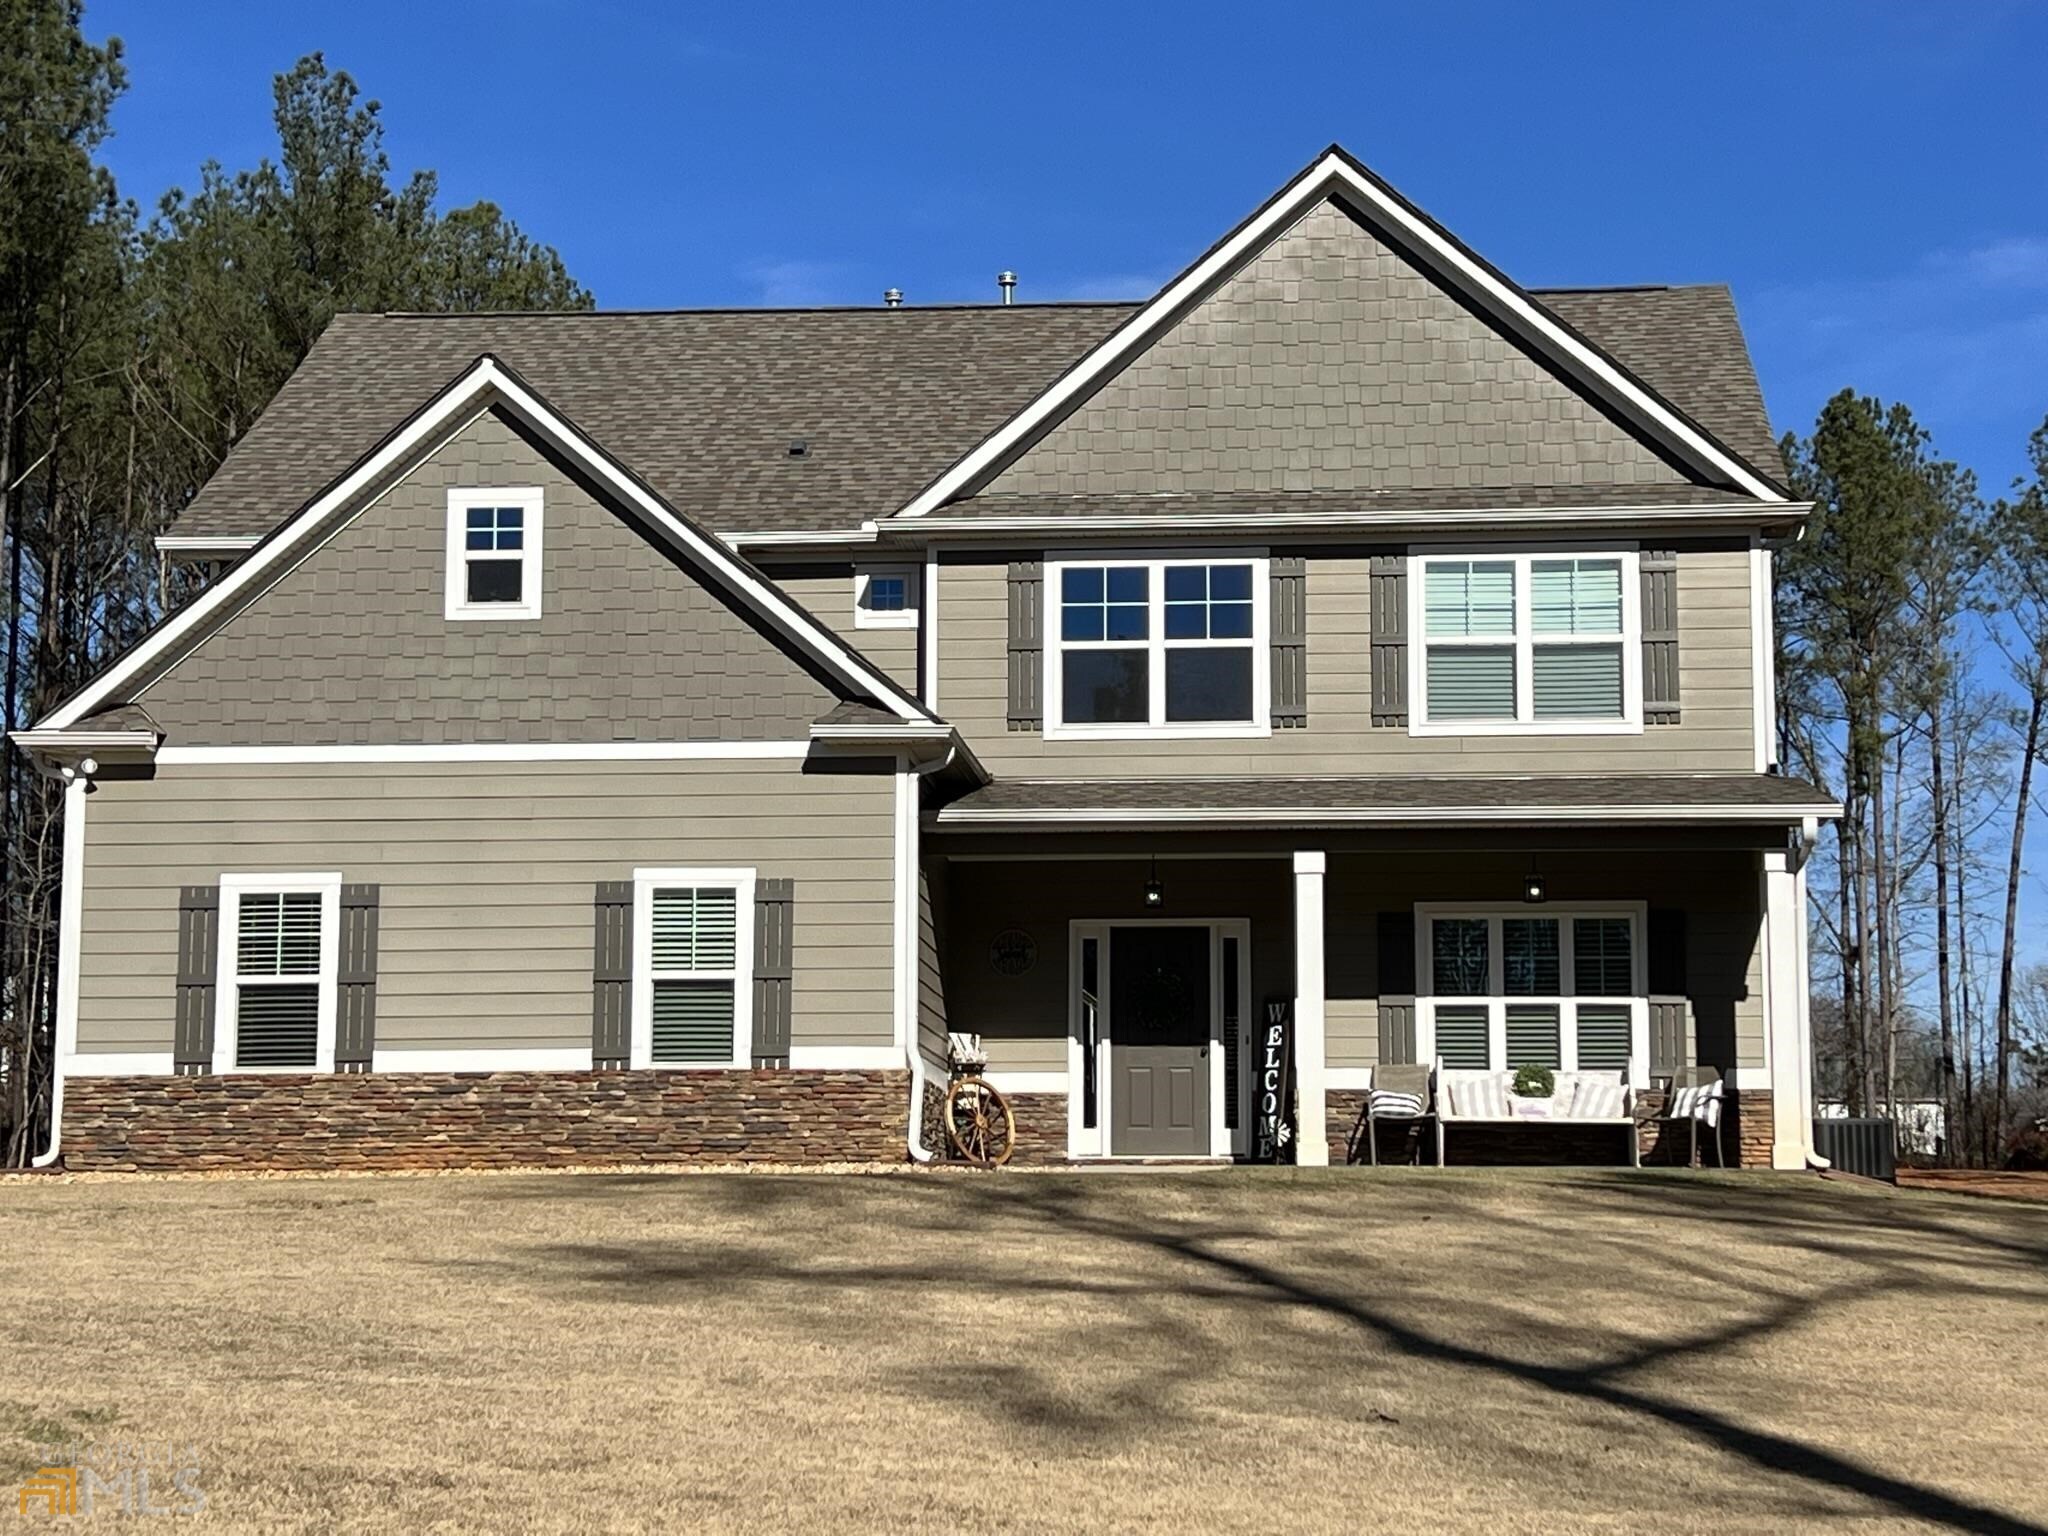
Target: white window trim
(645,883)
(1631,721)
(1496,1001)
(865,617)
(227,978)
(1156,643)
(460,499)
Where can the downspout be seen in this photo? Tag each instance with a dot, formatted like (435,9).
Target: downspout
(913,1134)
(70,923)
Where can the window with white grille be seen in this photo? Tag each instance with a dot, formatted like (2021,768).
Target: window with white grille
(1533,986)
(1526,642)
(693,946)
(277,968)
(494,546)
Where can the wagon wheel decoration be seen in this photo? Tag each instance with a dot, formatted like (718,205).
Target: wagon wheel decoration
(979,1123)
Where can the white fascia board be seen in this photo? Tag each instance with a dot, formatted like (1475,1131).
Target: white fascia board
(48,740)
(490,752)
(770,538)
(485,379)
(1406,816)
(206,543)
(896,735)
(1331,174)
(1478,521)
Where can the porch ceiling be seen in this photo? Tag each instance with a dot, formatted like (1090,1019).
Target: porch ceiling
(1394,800)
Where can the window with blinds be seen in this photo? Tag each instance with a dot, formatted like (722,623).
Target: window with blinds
(694,975)
(1520,641)
(1542,988)
(279,974)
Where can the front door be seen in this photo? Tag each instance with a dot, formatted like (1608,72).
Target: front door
(1159,1018)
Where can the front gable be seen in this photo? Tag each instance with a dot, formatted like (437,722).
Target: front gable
(352,645)
(1339,340)
(1329,362)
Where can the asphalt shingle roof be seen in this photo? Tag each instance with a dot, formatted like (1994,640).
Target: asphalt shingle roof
(1301,801)
(705,404)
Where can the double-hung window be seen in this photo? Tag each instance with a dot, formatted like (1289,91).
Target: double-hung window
(279,935)
(1527,642)
(693,949)
(1158,647)
(1533,987)
(494,546)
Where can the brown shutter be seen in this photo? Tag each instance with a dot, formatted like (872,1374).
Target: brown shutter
(1660,637)
(1290,643)
(1396,944)
(774,970)
(1665,967)
(1027,646)
(355,1014)
(1388,601)
(198,961)
(611,973)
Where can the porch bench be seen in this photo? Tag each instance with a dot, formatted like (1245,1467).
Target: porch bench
(1466,1097)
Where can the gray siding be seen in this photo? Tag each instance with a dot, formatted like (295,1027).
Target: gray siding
(487,874)
(931,970)
(828,595)
(1330,363)
(1719,894)
(1714,736)
(351,646)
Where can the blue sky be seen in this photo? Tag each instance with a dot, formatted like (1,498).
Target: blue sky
(1868,177)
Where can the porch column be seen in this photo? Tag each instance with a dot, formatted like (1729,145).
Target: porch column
(1788,1033)
(1312,1143)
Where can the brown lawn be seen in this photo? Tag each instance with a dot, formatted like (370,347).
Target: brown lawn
(1220,1350)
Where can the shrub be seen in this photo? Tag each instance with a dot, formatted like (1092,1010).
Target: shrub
(2027,1151)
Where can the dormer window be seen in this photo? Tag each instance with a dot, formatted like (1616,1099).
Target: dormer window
(494,543)
(885,597)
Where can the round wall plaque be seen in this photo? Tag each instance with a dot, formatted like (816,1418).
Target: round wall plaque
(1012,952)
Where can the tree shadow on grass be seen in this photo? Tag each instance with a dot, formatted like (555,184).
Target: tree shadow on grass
(1224,1263)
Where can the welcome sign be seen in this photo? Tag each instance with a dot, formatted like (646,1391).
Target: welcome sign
(1273,1127)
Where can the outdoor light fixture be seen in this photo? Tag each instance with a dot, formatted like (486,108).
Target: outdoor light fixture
(1534,890)
(1155,893)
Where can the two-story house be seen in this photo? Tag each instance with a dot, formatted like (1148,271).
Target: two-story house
(647,735)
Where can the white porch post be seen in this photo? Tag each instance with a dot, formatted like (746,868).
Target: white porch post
(1312,1146)
(1788,1034)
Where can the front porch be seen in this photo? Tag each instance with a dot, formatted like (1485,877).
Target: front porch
(1122,980)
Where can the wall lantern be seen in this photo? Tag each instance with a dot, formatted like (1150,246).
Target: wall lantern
(1534,890)
(1155,893)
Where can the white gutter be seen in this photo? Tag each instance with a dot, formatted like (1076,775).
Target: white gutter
(205,543)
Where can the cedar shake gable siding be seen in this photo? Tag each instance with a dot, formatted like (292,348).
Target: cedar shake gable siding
(351,646)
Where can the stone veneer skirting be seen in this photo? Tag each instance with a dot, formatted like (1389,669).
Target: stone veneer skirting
(1746,1136)
(428,1120)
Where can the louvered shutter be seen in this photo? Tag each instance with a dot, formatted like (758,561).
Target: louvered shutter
(774,970)
(1026,646)
(611,1010)
(1670,1001)
(355,1018)
(197,986)
(1388,601)
(1290,643)
(1660,637)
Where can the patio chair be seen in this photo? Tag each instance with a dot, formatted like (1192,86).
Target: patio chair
(1695,1097)
(1400,1094)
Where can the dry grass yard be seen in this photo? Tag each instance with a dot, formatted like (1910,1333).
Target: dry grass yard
(1207,1351)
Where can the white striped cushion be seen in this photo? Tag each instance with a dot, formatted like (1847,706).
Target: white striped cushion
(1702,1104)
(1395,1106)
(1598,1098)
(1482,1096)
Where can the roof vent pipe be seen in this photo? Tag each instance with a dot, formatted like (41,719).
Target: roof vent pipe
(893,297)
(1007,281)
